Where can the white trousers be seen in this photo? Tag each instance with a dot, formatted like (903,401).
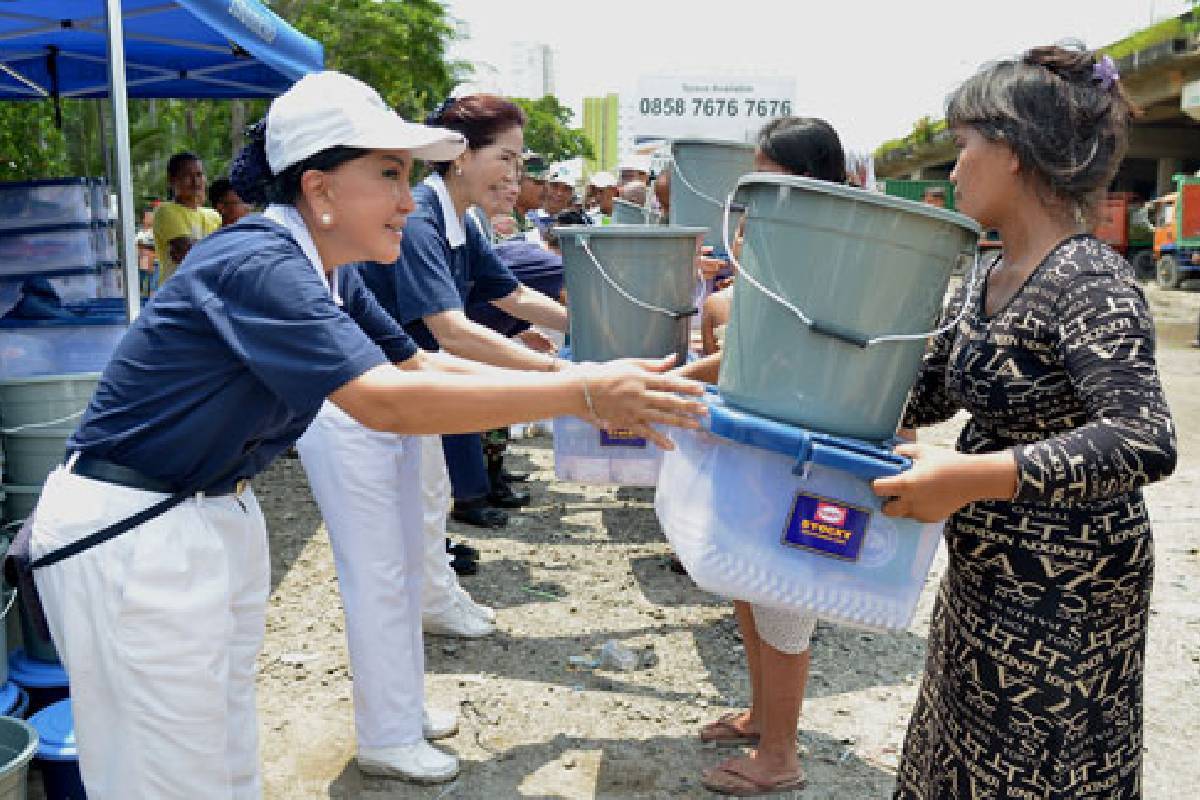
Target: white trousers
(441,582)
(367,484)
(159,630)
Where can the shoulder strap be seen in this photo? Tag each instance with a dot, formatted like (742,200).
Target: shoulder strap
(121,526)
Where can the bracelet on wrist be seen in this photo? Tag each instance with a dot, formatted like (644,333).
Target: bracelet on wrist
(587,398)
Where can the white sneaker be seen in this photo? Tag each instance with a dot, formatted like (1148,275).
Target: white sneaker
(466,602)
(420,763)
(439,723)
(456,621)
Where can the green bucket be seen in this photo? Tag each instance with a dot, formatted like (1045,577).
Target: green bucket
(630,288)
(18,743)
(703,174)
(838,293)
(627,213)
(35,401)
(7,598)
(19,501)
(31,454)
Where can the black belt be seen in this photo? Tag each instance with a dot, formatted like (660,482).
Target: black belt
(101,469)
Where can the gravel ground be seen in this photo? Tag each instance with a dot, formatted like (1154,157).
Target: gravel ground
(585,565)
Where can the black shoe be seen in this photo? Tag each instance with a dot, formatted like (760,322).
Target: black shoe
(513,477)
(464,566)
(479,514)
(462,549)
(503,496)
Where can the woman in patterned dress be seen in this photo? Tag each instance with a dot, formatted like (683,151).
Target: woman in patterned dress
(1033,684)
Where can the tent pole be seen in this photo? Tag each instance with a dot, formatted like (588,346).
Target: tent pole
(120,107)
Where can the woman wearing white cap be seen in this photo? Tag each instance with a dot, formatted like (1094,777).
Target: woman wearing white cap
(159,627)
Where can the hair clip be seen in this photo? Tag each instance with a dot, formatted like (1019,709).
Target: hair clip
(1104,72)
(440,111)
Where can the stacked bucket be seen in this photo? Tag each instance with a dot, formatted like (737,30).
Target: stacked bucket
(634,292)
(62,312)
(837,291)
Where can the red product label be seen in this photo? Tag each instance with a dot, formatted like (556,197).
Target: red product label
(830,514)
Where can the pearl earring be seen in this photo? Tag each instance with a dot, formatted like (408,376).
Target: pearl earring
(327,219)
(457,170)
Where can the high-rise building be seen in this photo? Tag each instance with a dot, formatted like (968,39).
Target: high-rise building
(531,72)
(602,124)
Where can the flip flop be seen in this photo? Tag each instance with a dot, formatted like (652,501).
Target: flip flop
(724,732)
(728,780)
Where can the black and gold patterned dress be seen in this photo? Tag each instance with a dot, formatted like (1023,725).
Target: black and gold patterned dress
(1033,680)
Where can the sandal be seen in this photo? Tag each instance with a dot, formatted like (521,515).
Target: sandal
(723,731)
(727,779)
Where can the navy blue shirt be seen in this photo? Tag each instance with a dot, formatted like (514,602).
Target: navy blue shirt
(231,359)
(431,276)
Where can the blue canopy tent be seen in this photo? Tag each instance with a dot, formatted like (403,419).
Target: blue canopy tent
(50,49)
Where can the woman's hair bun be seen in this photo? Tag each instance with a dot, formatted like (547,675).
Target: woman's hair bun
(250,172)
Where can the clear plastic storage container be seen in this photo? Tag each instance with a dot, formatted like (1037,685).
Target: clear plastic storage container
(61,201)
(108,282)
(585,454)
(783,517)
(54,347)
(61,250)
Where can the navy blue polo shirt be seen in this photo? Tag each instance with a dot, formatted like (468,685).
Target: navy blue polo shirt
(431,276)
(231,359)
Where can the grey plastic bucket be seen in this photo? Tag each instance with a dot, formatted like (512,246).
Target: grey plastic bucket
(33,453)
(627,213)
(29,401)
(860,265)
(19,501)
(703,174)
(7,599)
(18,743)
(649,314)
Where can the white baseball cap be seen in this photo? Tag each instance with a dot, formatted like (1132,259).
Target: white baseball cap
(329,109)
(560,175)
(636,162)
(603,180)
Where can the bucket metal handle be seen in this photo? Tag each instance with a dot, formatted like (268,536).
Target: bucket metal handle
(677,172)
(47,424)
(583,242)
(830,329)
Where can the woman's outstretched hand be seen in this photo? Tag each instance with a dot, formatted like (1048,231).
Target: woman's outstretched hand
(634,394)
(942,481)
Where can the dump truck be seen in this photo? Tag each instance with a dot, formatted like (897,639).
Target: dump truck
(1176,219)
(1123,223)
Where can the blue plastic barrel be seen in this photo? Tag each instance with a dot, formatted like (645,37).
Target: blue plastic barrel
(57,756)
(45,682)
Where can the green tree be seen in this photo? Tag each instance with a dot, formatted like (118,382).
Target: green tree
(548,130)
(399,48)
(30,145)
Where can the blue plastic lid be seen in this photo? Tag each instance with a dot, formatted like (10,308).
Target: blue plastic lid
(862,459)
(56,732)
(10,695)
(33,674)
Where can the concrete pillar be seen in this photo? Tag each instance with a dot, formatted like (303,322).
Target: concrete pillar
(1167,167)
(917,175)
